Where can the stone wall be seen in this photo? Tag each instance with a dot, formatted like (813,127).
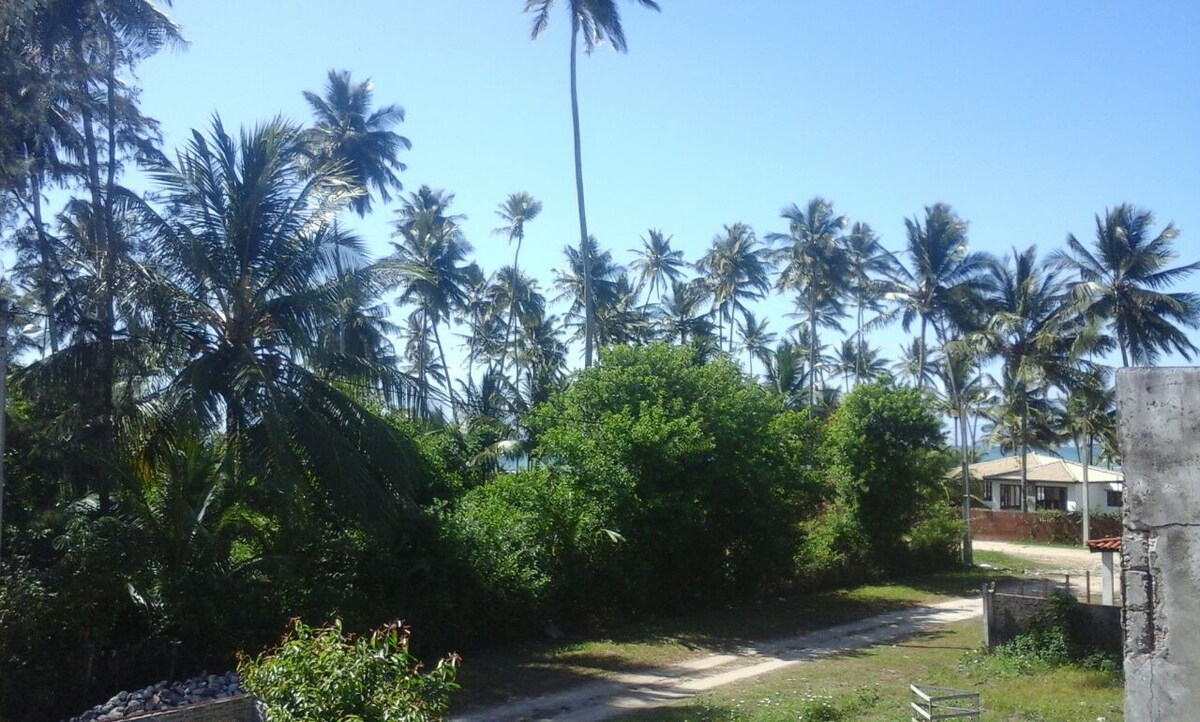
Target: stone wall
(231,709)
(1159,433)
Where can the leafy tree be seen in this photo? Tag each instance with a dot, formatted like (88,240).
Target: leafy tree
(681,457)
(1123,281)
(598,21)
(884,448)
(349,132)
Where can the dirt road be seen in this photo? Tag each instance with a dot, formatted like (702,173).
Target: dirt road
(1059,559)
(623,693)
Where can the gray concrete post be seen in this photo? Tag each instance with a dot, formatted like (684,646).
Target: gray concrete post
(1159,434)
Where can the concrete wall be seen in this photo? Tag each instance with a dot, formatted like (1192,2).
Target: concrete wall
(1159,432)
(1009,615)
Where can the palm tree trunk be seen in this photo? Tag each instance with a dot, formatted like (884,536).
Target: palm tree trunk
(1025,465)
(1087,505)
(812,355)
(921,356)
(104,331)
(584,250)
(446,371)
(858,339)
(512,305)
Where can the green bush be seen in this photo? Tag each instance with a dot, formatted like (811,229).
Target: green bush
(885,450)
(693,465)
(325,675)
(835,552)
(936,540)
(526,538)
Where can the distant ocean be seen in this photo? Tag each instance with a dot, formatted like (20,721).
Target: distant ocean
(1067,452)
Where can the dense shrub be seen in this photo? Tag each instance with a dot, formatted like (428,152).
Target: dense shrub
(693,465)
(835,551)
(318,675)
(884,449)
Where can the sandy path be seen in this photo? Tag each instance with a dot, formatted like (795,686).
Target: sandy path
(1063,559)
(625,692)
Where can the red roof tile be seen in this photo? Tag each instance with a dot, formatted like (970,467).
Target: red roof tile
(1110,544)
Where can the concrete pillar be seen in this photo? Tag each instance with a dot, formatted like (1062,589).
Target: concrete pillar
(1106,585)
(1159,433)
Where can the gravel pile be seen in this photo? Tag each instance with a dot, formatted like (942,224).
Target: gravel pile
(164,695)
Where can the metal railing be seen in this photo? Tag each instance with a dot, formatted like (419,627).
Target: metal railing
(939,703)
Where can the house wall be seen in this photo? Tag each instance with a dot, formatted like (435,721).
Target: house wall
(231,709)
(1097,496)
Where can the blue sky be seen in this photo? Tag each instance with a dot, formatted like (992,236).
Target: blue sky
(1028,117)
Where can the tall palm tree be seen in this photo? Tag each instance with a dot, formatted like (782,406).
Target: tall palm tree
(816,267)
(597,21)
(247,276)
(349,132)
(429,265)
(590,281)
(737,269)
(869,266)
(683,313)
(1090,416)
(516,210)
(942,284)
(1123,281)
(656,264)
(914,365)
(786,373)
(756,339)
(1035,334)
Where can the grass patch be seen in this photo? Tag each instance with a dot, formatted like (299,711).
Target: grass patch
(498,675)
(872,685)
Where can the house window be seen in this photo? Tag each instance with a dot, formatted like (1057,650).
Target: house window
(1052,498)
(1114,498)
(987,490)
(1010,496)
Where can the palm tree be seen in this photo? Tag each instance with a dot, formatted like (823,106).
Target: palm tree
(943,282)
(590,282)
(816,267)
(914,365)
(597,21)
(1090,415)
(347,131)
(756,339)
(656,264)
(683,314)
(868,266)
(1123,281)
(737,269)
(517,210)
(429,265)
(786,374)
(248,275)
(1036,336)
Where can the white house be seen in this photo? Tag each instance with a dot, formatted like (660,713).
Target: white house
(1057,484)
